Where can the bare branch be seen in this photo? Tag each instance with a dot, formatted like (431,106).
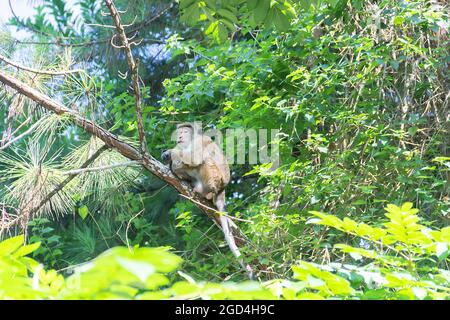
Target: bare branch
(133,65)
(100,25)
(136,43)
(128,227)
(47,72)
(114,45)
(81,44)
(130,24)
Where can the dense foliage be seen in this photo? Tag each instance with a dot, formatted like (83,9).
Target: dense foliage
(405,264)
(358,91)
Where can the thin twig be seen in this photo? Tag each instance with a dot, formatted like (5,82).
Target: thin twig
(128,227)
(30,130)
(218,212)
(102,168)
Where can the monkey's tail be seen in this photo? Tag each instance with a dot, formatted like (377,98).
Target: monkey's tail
(227,224)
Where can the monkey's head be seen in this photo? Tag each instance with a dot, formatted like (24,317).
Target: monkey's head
(186,132)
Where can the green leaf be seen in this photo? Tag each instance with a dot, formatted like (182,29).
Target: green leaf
(356,253)
(261,10)
(252,4)
(212,27)
(281,21)
(218,31)
(315,282)
(333,3)
(441,249)
(222,32)
(83,212)
(140,269)
(398,20)
(377,294)
(420,293)
(24,250)
(309,296)
(186,3)
(191,14)
(229,25)
(305,4)
(228,15)
(10,245)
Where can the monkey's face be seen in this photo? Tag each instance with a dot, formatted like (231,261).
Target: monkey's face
(184,136)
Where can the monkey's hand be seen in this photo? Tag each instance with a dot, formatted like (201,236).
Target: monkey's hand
(166,156)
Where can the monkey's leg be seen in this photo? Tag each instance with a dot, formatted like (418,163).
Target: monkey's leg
(212,179)
(225,223)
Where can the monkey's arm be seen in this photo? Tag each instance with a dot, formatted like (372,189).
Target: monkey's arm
(175,155)
(190,157)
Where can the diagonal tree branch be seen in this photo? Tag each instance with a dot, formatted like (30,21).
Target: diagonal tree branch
(133,65)
(127,150)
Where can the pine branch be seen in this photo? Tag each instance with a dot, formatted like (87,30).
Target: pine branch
(59,187)
(37,71)
(24,134)
(71,176)
(81,44)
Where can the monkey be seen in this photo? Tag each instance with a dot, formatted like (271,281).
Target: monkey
(199,160)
